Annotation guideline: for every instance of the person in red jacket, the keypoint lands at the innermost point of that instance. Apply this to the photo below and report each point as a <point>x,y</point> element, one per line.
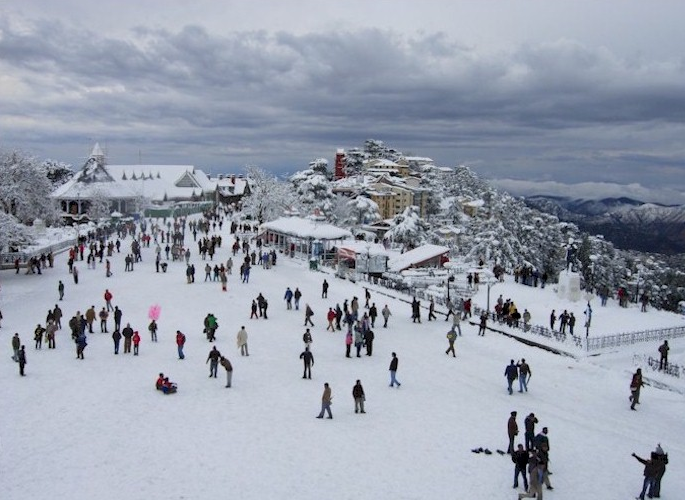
<point>160,381</point>
<point>136,342</point>
<point>108,300</point>
<point>330,316</point>
<point>180,341</point>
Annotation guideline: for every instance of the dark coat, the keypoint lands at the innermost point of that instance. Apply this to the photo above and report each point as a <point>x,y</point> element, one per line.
<point>393,364</point>
<point>308,357</point>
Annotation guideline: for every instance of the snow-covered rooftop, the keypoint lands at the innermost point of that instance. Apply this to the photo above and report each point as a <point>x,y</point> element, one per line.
<point>415,256</point>
<point>306,228</point>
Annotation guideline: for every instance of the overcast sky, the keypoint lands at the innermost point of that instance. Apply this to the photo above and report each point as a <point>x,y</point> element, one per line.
<point>569,92</point>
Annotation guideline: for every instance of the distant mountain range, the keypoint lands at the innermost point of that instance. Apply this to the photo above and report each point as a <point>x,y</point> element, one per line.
<point>627,223</point>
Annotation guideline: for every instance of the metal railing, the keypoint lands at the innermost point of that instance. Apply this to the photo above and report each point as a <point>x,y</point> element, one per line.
<point>7,259</point>
<point>628,338</point>
<point>654,363</point>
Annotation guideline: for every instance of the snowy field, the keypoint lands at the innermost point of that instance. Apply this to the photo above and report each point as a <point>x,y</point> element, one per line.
<point>97,428</point>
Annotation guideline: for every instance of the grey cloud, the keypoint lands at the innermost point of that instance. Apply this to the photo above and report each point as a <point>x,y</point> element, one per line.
<point>554,110</point>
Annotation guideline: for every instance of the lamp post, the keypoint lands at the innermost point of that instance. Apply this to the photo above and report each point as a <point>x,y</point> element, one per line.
<point>449,279</point>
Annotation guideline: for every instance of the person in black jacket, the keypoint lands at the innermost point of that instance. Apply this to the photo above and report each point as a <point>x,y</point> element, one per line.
<point>393,370</point>
<point>128,334</point>
<point>650,473</point>
<point>308,358</point>
<point>520,459</point>
<point>116,337</point>
<point>21,358</point>
<point>529,424</point>
<point>368,339</point>
<point>359,397</point>
<point>511,372</point>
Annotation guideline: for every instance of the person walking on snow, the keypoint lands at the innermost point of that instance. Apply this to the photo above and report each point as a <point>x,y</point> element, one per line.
<point>451,337</point>
<point>635,385</point>
<point>241,341</point>
<point>308,359</point>
<point>393,370</point>
<point>326,399</point>
<point>386,315</point>
<point>511,373</point>
<point>524,375</point>
<point>308,313</point>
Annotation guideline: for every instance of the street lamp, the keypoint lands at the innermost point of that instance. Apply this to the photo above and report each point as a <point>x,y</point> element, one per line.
<point>449,279</point>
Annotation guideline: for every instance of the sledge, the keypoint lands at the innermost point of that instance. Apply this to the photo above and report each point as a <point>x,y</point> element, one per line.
<point>167,390</point>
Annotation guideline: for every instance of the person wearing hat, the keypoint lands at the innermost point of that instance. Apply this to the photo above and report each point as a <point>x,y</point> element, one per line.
<point>512,430</point>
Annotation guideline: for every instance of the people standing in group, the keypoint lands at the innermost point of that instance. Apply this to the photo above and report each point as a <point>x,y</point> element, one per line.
<point>512,431</point>
<point>359,397</point>
<point>117,318</point>
<point>393,370</point>
<point>635,385</point>
<point>104,315</point>
<point>38,336</point>
<point>116,337</point>
<point>524,375</point>
<point>127,332</point>
<point>241,341</point>
<point>511,373</point>
<point>308,360</point>
<point>529,425</point>
<point>136,342</point>
<point>326,400</point>
<point>348,342</point>
<point>520,460</point>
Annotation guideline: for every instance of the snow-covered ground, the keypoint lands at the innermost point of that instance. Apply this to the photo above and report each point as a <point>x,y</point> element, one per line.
<point>97,428</point>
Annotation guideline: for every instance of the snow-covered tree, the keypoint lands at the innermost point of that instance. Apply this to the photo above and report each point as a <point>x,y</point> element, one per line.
<point>13,234</point>
<point>362,210</point>
<point>268,198</point>
<point>354,162</point>
<point>408,228</point>
<point>25,189</point>
<point>57,172</point>
<point>320,166</point>
<point>339,213</point>
<point>313,191</point>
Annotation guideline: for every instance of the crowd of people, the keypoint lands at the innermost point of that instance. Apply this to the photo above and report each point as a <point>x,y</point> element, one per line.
<point>358,321</point>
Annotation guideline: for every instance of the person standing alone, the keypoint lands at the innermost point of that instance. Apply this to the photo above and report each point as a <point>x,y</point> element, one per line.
<point>326,399</point>
<point>359,397</point>
<point>393,370</point>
